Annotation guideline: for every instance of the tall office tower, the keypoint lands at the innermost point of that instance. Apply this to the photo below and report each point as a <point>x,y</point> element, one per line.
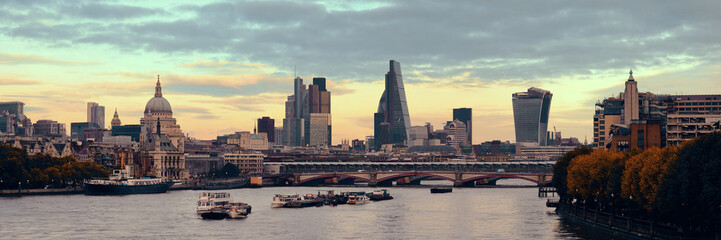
<point>96,114</point>
<point>267,125</point>
<point>318,128</point>
<point>393,110</point>
<point>116,119</point>
<point>530,114</point>
<point>294,124</point>
<point>630,100</point>
<point>465,115</point>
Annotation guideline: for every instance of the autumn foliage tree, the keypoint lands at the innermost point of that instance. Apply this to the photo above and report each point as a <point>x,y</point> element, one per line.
<point>644,174</point>
<point>596,175</point>
<point>560,169</point>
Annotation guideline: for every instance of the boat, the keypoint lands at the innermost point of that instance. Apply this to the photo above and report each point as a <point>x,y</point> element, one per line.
<point>380,195</point>
<point>441,190</point>
<point>280,200</point>
<point>237,210</point>
<point>358,199</point>
<point>120,182</point>
<point>218,205</point>
<point>308,200</point>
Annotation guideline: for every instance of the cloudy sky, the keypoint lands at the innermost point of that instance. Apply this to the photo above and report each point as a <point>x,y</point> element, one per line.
<point>224,64</point>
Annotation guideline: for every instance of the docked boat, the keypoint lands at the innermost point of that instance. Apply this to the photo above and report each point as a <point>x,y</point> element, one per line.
<point>120,182</point>
<point>441,190</point>
<point>280,200</point>
<point>380,195</point>
<point>358,199</point>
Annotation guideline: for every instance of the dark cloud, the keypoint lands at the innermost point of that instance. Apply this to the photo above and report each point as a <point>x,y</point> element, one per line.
<point>491,41</point>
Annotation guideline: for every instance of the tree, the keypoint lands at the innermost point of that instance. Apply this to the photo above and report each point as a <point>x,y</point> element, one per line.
<point>228,170</point>
<point>560,169</point>
<point>644,173</point>
<point>596,175</point>
<point>690,193</point>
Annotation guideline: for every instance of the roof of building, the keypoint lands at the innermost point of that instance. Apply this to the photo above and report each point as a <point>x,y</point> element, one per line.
<point>158,104</point>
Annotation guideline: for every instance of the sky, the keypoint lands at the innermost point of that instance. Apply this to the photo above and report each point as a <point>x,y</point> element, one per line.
<point>224,64</point>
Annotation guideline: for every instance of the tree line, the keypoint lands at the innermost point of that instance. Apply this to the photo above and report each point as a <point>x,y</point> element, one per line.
<point>680,185</point>
<point>18,169</point>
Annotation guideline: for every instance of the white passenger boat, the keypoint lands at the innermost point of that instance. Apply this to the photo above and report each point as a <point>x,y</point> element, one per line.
<point>357,199</point>
<point>210,200</point>
<point>279,200</point>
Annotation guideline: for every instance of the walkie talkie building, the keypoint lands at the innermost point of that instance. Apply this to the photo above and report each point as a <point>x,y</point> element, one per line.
<point>530,115</point>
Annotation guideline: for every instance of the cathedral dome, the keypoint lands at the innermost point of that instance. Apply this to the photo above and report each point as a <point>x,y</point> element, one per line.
<point>158,104</point>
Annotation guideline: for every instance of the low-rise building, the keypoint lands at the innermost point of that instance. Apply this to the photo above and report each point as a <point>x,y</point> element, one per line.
<point>246,162</point>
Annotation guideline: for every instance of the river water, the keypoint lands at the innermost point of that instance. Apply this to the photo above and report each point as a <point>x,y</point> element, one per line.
<point>466,213</point>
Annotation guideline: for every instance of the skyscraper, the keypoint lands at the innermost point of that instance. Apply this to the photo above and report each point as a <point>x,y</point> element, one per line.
<point>392,110</point>
<point>96,114</point>
<point>294,125</point>
<point>267,125</point>
<point>465,115</point>
<point>318,128</point>
<point>530,114</point>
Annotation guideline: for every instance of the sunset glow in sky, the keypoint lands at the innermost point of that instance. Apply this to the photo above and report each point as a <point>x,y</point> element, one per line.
<point>223,64</point>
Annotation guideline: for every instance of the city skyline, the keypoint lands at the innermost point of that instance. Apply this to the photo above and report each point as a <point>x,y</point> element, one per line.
<point>55,70</point>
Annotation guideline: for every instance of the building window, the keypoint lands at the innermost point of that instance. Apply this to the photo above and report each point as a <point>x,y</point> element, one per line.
<point>641,143</point>
<point>708,103</point>
<point>603,133</point>
<point>595,124</point>
<point>695,103</point>
<point>602,139</point>
<point>603,127</point>
<point>603,121</point>
<point>595,135</point>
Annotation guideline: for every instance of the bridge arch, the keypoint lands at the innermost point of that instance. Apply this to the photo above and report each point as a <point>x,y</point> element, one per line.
<point>412,174</point>
<point>502,176</point>
<point>332,175</point>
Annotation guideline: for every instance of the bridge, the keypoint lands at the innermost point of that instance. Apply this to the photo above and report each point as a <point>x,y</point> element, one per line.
<point>384,173</point>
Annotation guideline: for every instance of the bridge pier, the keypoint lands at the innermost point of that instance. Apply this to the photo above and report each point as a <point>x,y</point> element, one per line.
<point>373,179</point>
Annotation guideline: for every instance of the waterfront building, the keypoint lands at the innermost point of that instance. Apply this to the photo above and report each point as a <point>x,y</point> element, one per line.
<point>642,134</point>
<point>607,114</point>
<point>96,114</point>
<point>530,114</point>
<point>49,128</point>
<point>116,120</point>
<point>158,109</point>
<point>392,121</point>
<point>13,121</point>
<point>267,125</point>
<point>77,128</point>
<point>465,115</point>
<point>680,118</point>
<point>246,162</point>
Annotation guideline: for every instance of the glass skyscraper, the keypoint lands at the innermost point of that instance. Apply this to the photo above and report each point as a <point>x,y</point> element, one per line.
<point>392,110</point>
<point>465,115</point>
<point>530,115</point>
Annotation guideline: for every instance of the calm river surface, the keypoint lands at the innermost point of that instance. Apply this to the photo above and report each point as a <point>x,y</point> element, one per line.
<point>467,213</point>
